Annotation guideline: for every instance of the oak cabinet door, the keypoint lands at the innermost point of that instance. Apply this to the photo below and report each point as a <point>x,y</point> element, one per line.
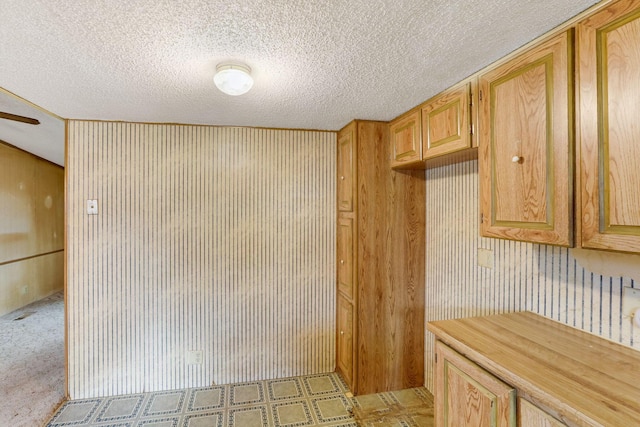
<point>530,415</point>
<point>525,151</point>
<point>609,85</point>
<point>446,122</point>
<point>406,140</point>
<point>345,340</point>
<point>467,395</point>
<point>346,168</point>
<point>345,257</point>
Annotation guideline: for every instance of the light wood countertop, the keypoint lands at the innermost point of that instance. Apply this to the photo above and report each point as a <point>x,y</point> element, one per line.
<point>581,379</point>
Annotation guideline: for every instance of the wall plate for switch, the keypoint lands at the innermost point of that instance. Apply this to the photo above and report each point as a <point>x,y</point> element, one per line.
<point>485,258</point>
<point>92,207</point>
<point>630,300</point>
<point>194,357</point>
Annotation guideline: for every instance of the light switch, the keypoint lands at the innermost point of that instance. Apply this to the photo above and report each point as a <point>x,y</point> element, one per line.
<point>92,207</point>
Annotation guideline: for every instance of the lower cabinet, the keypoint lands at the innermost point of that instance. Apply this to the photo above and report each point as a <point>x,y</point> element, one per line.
<point>530,415</point>
<point>345,339</point>
<point>467,395</point>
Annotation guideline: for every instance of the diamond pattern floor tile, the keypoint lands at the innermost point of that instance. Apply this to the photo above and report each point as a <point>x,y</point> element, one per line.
<point>311,400</point>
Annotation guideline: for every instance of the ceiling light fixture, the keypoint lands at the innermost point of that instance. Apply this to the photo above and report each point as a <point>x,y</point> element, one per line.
<point>233,79</point>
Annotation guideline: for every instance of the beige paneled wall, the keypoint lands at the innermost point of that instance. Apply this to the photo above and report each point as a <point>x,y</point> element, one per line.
<point>545,279</point>
<point>210,239</point>
<point>31,228</point>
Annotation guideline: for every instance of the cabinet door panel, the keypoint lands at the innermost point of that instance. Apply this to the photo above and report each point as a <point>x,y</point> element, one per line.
<point>406,140</point>
<point>467,395</point>
<point>345,340</point>
<point>532,416</point>
<point>446,122</point>
<point>346,169</point>
<point>526,160</point>
<point>345,257</point>
<point>609,110</point>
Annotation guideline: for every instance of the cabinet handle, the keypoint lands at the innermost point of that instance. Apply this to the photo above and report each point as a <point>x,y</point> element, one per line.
<point>342,177</point>
<point>341,332</point>
<point>516,159</point>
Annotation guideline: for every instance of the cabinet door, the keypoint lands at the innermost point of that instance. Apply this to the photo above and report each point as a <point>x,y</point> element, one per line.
<point>446,122</point>
<point>525,151</point>
<point>406,140</point>
<point>532,416</point>
<point>345,257</point>
<point>467,395</point>
<point>609,85</point>
<point>345,340</point>
<point>347,168</point>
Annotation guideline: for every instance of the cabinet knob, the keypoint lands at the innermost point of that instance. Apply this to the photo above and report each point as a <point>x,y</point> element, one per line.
<point>341,332</point>
<point>516,159</point>
<point>341,261</point>
<point>342,177</point>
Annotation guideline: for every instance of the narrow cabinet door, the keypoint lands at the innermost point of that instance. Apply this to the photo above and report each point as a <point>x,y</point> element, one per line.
<point>446,122</point>
<point>525,151</point>
<point>609,84</point>
<point>347,168</point>
<point>345,257</point>
<point>406,140</point>
<point>345,340</point>
<point>468,396</point>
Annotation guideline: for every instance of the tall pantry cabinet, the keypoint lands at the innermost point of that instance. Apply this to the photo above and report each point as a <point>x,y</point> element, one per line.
<point>380,264</point>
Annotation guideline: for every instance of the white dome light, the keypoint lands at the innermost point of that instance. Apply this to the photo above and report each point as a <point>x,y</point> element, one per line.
<point>233,79</point>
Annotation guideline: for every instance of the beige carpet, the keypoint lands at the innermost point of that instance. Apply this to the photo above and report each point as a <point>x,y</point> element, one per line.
<point>32,362</point>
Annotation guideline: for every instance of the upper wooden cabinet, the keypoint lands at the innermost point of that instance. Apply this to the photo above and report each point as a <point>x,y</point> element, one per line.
<point>446,122</point>
<point>406,140</point>
<point>346,168</point>
<point>609,84</point>
<point>525,151</point>
<point>439,127</point>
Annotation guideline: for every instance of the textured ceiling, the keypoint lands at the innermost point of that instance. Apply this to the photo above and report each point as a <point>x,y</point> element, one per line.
<point>317,64</point>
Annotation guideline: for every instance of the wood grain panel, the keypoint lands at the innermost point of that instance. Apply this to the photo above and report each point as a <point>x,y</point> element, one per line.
<point>345,348</point>
<point>406,140</point>
<point>446,122</point>
<point>347,169</point>
<point>346,261</point>
<point>212,239</point>
<point>390,260</point>
<point>31,226</point>
<point>532,416</point>
<point>609,110</point>
<point>571,383</point>
<point>525,155</point>
<point>469,395</point>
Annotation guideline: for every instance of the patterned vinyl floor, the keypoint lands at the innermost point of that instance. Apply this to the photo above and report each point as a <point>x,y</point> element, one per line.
<point>312,400</point>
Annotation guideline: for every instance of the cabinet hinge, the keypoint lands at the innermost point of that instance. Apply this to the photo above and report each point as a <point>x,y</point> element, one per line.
<point>471,130</point>
<point>480,95</point>
<point>436,357</point>
<point>471,99</point>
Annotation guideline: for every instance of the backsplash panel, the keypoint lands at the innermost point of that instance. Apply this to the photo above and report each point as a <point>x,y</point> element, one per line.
<point>210,239</point>
<point>544,279</point>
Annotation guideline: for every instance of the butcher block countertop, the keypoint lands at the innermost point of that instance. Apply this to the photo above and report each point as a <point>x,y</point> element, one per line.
<point>579,378</point>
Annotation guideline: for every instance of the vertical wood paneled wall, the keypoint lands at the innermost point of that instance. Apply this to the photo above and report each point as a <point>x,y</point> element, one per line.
<point>31,228</point>
<point>544,279</point>
<point>213,239</point>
